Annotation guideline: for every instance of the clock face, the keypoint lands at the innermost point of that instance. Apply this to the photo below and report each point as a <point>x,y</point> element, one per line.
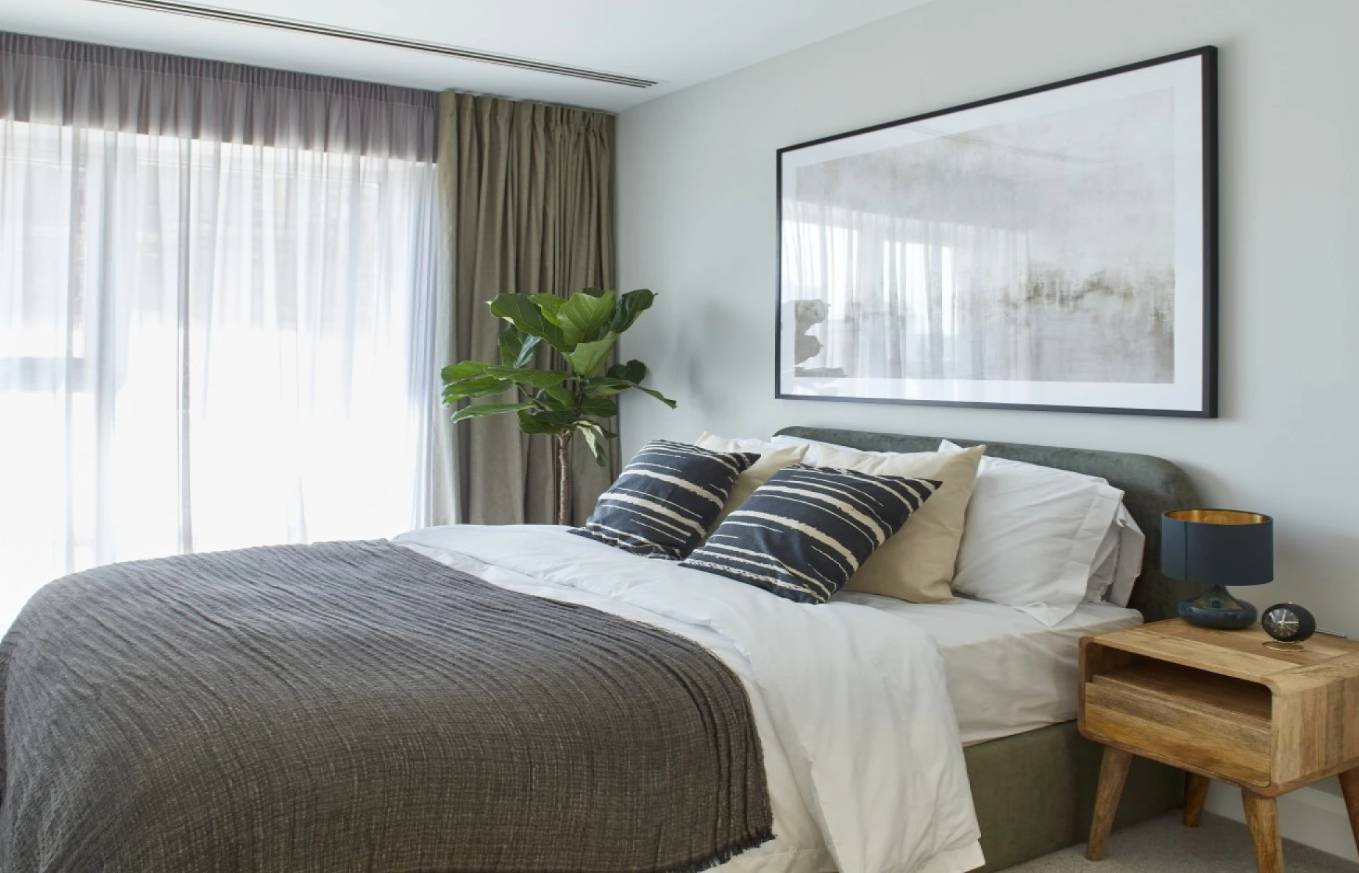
<point>1288,622</point>
<point>1282,623</point>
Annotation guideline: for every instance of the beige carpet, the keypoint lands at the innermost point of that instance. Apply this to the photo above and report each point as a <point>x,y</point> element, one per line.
<point>1163,845</point>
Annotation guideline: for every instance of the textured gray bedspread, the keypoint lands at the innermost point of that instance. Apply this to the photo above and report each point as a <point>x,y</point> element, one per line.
<point>359,707</point>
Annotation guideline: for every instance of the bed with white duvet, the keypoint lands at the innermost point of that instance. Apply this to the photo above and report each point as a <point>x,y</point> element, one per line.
<point>860,707</point>
<point>860,739</point>
<point>1007,673</point>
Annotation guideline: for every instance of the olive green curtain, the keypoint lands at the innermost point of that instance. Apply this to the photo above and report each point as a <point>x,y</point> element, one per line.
<point>526,193</point>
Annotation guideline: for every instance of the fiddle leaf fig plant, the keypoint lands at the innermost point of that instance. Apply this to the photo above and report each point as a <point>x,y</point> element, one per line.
<point>575,396</point>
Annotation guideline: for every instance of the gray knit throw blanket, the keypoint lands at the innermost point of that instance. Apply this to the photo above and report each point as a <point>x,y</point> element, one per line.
<point>359,707</point>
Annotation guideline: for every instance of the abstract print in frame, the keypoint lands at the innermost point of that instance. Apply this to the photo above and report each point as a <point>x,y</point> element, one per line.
<point>1054,248</point>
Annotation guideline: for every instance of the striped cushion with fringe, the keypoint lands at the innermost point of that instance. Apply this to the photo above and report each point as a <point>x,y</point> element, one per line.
<point>666,499</point>
<point>803,533</point>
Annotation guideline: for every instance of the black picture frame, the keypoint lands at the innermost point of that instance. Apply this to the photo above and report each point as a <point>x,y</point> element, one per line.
<point>1205,294</point>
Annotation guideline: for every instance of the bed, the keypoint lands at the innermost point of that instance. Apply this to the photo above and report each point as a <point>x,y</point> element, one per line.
<point>217,713</point>
<point>1034,791</point>
<point>1006,673</point>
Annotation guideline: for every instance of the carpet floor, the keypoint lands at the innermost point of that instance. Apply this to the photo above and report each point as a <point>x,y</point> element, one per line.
<point>1163,845</point>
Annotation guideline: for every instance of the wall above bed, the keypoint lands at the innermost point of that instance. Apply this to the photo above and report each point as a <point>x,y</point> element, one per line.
<point>697,212</point>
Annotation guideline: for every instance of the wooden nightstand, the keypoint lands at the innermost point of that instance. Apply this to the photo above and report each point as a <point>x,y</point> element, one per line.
<point>1222,705</point>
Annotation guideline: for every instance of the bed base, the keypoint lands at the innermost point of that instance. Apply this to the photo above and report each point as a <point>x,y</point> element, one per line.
<point>1034,792</point>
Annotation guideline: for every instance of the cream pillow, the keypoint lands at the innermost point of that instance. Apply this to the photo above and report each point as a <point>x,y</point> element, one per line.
<point>916,564</point>
<point>773,458</point>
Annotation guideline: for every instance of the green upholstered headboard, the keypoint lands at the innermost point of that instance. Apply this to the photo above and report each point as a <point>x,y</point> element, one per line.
<point>1151,486</point>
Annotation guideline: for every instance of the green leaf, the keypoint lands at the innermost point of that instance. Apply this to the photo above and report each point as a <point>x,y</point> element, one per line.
<point>607,386</point>
<point>603,407</point>
<point>548,304</point>
<point>557,398</point>
<point>587,359</point>
<point>658,395</point>
<point>604,386</point>
<point>536,378</point>
<point>632,371</point>
<point>595,292</point>
<point>585,317</point>
<point>470,379</point>
<point>568,418</point>
<point>526,317</point>
<point>551,383</point>
<point>517,349</point>
<point>463,370</point>
<point>630,306</point>
<point>538,422</point>
<point>594,439</point>
<point>478,386</point>
<point>482,409</point>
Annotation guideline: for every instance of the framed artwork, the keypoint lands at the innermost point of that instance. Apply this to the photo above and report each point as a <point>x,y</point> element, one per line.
<point>1054,248</point>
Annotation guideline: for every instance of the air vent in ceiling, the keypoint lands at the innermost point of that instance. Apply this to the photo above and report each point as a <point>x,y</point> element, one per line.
<point>379,39</point>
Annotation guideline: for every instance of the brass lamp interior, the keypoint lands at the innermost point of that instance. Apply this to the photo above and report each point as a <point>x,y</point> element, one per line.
<point>1217,516</point>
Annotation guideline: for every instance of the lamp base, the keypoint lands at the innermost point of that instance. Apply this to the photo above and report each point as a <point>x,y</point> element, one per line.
<point>1217,608</point>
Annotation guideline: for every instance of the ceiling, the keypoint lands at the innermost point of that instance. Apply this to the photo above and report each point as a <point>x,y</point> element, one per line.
<point>675,42</point>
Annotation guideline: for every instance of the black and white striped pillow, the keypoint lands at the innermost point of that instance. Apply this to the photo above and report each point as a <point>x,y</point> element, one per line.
<point>666,499</point>
<point>803,533</point>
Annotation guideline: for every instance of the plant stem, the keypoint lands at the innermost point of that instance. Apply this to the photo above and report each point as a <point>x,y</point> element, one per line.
<point>564,478</point>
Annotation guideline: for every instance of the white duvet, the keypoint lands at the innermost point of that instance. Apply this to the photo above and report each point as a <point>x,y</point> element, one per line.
<point>860,741</point>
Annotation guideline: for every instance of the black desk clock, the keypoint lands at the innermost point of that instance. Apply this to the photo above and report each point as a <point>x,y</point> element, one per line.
<point>1288,623</point>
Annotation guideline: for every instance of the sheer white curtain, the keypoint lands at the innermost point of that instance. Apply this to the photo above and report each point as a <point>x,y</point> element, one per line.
<point>216,308</point>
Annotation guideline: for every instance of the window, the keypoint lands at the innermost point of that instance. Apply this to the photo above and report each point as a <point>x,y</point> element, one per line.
<point>206,345</point>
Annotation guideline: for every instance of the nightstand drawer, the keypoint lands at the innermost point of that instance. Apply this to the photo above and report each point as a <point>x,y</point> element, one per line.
<point>1147,708</point>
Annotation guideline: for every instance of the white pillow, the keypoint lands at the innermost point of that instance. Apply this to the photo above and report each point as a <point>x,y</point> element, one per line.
<point>1033,536</point>
<point>1132,544</point>
<point>1118,560</point>
<point>1106,565</point>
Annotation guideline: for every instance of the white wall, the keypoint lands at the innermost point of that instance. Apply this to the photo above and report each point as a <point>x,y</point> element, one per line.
<point>696,223</point>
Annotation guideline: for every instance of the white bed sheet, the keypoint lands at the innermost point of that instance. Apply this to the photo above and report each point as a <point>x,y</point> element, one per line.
<point>862,754</point>
<point>1007,672</point>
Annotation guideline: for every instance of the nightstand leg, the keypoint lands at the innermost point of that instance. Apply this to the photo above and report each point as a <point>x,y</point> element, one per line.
<point>1195,793</point>
<point>1262,815</point>
<point>1113,771</point>
<point>1349,785</point>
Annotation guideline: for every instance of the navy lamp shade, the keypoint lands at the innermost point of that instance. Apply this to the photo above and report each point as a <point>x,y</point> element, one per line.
<point>1216,548</point>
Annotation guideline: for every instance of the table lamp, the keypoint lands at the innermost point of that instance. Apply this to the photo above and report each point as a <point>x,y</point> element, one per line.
<point>1216,548</point>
